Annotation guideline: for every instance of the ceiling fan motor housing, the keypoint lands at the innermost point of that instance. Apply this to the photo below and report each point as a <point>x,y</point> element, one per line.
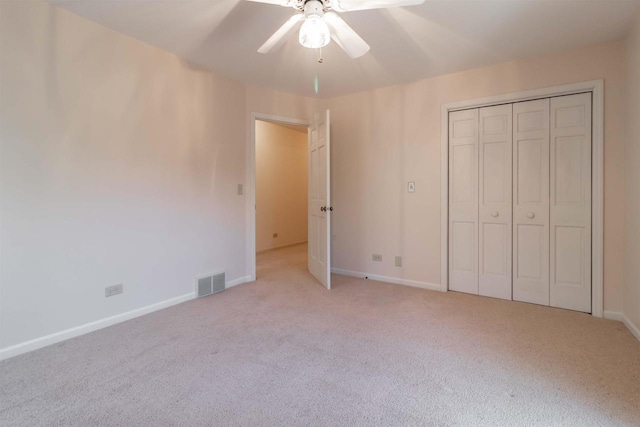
<point>313,7</point>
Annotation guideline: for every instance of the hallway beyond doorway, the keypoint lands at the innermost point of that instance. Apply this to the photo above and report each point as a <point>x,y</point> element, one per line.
<point>289,261</point>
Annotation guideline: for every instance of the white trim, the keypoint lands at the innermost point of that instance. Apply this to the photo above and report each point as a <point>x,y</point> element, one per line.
<point>596,87</point>
<point>620,317</point>
<point>37,343</point>
<point>394,280</point>
<point>613,315</point>
<point>251,177</point>
<point>635,330</point>
<point>444,199</point>
<point>597,204</point>
<point>238,281</point>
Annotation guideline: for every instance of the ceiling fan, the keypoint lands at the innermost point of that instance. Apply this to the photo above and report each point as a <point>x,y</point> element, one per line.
<point>320,23</point>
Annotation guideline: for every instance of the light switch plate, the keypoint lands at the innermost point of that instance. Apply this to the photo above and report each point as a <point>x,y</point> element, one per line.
<point>411,187</point>
<point>240,190</point>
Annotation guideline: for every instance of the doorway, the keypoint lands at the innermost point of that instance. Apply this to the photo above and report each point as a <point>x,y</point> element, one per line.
<point>279,188</point>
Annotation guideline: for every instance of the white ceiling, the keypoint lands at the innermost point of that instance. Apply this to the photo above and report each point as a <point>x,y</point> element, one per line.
<point>407,44</point>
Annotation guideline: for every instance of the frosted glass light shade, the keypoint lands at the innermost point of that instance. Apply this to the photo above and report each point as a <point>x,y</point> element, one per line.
<point>314,32</point>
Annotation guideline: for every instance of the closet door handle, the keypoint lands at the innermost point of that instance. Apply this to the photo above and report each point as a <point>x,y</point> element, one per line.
<point>531,215</point>
<point>494,214</point>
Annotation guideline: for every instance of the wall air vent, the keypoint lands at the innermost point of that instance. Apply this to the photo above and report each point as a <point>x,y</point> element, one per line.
<point>211,284</point>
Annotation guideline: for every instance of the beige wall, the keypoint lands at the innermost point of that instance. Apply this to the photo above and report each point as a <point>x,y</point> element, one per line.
<point>383,138</point>
<point>631,307</point>
<point>267,101</point>
<point>120,164</point>
<point>281,186</point>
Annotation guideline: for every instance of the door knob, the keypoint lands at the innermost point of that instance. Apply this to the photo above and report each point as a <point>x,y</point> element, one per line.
<point>531,215</point>
<point>323,208</point>
<point>494,214</point>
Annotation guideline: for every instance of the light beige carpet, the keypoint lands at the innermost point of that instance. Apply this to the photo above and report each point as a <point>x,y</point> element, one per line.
<point>284,351</point>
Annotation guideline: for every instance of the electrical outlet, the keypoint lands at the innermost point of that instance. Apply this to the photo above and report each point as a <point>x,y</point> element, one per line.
<point>398,261</point>
<point>411,187</point>
<point>110,291</point>
<point>376,257</point>
<point>275,235</point>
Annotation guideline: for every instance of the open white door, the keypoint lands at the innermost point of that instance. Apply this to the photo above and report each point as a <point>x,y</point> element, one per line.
<point>319,199</point>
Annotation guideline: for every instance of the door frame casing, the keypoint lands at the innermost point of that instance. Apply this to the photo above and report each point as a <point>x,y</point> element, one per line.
<point>251,168</point>
<point>596,88</point>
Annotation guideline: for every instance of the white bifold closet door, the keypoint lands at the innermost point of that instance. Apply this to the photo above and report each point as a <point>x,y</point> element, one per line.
<point>570,200</point>
<point>531,201</point>
<point>463,201</point>
<point>480,201</point>
<point>520,201</point>
<point>494,211</point>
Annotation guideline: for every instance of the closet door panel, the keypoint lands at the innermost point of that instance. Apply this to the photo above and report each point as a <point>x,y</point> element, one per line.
<point>570,210</point>
<point>495,188</point>
<point>531,201</point>
<point>463,201</point>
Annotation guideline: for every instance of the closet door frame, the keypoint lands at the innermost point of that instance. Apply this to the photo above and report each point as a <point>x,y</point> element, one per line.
<point>596,88</point>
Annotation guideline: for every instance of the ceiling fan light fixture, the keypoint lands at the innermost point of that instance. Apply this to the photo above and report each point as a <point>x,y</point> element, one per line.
<point>314,32</point>
<point>322,23</point>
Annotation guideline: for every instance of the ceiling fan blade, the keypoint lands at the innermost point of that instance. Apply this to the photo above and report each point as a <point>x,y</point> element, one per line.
<point>292,3</point>
<point>280,36</point>
<point>349,5</point>
<point>345,36</point>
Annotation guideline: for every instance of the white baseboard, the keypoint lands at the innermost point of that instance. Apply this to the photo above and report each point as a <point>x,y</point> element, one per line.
<point>56,337</point>
<point>633,328</point>
<point>394,280</point>
<point>37,343</point>
<point>612,315</point>
<point>238,281</point>
<point>620,317</point>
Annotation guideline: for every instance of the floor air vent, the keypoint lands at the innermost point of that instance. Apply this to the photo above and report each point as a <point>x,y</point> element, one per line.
<point>208,285</point>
